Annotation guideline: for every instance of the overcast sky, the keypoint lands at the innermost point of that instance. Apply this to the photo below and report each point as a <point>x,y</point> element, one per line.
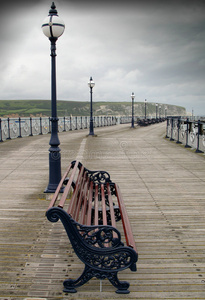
<point>155,49</point>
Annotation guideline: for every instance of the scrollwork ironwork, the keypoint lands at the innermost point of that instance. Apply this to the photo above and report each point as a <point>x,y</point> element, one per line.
<point>99,177</point>
<point>101,236</point>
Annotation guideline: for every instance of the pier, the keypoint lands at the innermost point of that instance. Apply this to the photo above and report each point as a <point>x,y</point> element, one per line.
<point>164,193</point>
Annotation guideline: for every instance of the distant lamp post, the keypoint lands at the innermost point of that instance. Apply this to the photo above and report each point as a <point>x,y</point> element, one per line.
<point>165,112</point>
<point>145,107</point>
<point>53,27</point>
<point>160,113</point>
<point>156,110</point>
<point>132,97</point>
<point>91,85</point>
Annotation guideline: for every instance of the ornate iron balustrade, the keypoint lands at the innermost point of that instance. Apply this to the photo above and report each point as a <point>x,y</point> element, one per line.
<point>187,131</point>
<point>11,128</point>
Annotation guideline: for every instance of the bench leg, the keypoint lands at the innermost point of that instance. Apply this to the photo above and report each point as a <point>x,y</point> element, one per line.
<point>88,273</point>
<point>71,284</point>
<point>122,286</point>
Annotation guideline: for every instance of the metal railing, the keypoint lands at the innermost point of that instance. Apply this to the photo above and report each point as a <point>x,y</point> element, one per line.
<point>189,132</point>
<point>11,128</point>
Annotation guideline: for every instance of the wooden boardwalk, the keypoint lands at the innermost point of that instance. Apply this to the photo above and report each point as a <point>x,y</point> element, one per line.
<point>163,185</point>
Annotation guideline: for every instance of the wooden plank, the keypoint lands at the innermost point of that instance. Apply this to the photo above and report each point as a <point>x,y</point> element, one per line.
<point>55,196</point>
<point>84,207</point>
<point>111,208</point>
<point>104,214</point>
<point>90,201</point>
<point>68,186</point>
<point>72,204</point>
<point>79,199</point>
<point>96,206</point>
<point>125,220</point>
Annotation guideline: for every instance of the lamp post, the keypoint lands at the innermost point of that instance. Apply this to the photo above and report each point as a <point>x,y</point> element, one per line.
<point>165,112</point>
<point>160,113</point>
<point>156,111</point>
<point>145,107</point>
<point>91,85</point>
<point>53,27</point>
<point>132,97</point>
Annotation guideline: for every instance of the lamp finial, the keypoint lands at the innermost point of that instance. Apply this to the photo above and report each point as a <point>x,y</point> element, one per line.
<point>53,10</point>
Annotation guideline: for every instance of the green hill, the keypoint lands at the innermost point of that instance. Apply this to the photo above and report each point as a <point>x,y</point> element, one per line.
<point>34,108</point>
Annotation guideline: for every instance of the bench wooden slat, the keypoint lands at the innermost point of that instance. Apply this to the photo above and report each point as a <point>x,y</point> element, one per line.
<point>104,214</point>
<point>72,204</point>
<point>68,186</point>
<point>79,199</point>
<point>96,205</point>
<point>84,203</point>
<point>125,221</point>
<point>90,201</point>
<point>55,196</point>
<point>111,207</point>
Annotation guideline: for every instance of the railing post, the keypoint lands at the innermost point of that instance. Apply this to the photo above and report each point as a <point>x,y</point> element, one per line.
<point>19,128</point>
<point>49,124</point>
<point>70,123</point>
<point>178,126</point>
<point>9,136</point>
<point>187,134</point>
<point>64,124</point>
<point>40,126</point>
<point>198,134</point>
<point>167,128</point>
<point>172,124</point>
<point>81,122</point>
<point>1,140</point>
<point>31,133</point>
<point>76,123</point>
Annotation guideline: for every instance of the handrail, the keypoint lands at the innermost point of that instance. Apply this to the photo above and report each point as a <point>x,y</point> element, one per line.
<point>188,131</point>
<point>11,128</point>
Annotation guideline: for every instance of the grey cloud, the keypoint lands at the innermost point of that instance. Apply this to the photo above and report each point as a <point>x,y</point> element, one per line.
<point>155,48</point>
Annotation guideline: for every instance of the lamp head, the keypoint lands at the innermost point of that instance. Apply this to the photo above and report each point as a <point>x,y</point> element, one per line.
<point>91,83</point>
<point>53,26</point>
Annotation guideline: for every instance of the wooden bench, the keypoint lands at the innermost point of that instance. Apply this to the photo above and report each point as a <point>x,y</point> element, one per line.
<point>90,218</point>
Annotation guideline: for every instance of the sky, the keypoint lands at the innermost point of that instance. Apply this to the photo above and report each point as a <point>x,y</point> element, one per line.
<point>155,49</point>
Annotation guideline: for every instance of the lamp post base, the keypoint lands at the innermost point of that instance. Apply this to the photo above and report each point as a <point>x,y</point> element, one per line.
<point>54,170</point>
<point>51,188</point>
<point>198,151</point>
<point>92,135</point>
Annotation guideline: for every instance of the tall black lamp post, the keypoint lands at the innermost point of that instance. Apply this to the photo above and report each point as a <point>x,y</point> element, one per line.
<point>53,27</point>
<point>91,85</point>
<point>132,97</point>
<point>145,108</point>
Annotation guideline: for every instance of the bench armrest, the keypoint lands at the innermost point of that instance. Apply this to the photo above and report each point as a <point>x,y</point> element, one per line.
<point>100,235</point>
